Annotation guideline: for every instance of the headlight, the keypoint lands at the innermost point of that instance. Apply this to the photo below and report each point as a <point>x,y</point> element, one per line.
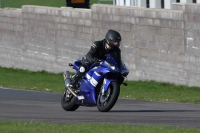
<point>112,66</point>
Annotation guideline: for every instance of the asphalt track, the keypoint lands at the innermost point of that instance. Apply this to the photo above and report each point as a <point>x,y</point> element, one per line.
<point>45,107</point>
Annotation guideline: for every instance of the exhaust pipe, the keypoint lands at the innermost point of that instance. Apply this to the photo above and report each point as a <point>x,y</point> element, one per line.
<point>68,81</point>
<point>66,76</point>
<point>73,93</point>
<point>67,84</point>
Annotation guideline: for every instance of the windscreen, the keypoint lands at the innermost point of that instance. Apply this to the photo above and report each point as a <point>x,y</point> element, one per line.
<point>117,56</point>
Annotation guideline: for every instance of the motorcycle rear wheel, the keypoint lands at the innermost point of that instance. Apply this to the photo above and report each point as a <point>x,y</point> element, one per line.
<point>107,101</point>
<point>68,103</point>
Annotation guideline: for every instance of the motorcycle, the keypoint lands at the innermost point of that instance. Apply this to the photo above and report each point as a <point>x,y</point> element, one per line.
<point>100,86</point>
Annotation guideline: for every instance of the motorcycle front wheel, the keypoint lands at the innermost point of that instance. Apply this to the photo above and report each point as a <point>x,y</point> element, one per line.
<point>68,101</point>
<point>107,101</point>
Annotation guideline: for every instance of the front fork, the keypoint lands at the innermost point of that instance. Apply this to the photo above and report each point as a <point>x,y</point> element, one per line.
<point>105,86</point>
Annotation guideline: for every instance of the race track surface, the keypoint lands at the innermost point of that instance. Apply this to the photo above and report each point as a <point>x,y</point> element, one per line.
<point>45,107</point>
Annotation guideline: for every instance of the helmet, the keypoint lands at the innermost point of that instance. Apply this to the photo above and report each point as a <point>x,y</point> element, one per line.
<point>113,36</point>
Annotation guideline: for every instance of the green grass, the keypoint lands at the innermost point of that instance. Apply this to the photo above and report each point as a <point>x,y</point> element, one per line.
<point>19,3</point>
<point>143,90</point>
<point>23,79</point>
<point>51,3</point>
<point>37,127</point>
<point>156,91</point>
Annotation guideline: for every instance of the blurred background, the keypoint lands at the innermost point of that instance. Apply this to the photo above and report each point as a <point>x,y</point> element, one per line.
<point>51,3</point>
<point>166,4</point>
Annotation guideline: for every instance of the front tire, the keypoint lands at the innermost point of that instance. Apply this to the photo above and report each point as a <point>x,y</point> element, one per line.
<point>107,101</point>
<point>68,101</point>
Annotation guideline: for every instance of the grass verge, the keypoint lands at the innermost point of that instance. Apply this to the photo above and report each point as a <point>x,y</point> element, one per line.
<point>19,3</point>
<point>23,79</point>
<point>157,91</point>
<point>38,127</point>
<point>143,90</point>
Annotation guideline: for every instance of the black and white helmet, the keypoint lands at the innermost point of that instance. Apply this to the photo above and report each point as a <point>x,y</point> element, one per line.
<point>113,36</point>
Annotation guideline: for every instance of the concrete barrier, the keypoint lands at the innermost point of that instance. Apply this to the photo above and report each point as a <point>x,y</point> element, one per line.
<point>157,44</point>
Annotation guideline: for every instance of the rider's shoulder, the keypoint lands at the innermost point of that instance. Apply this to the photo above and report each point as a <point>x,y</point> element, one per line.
<point>98,43</point>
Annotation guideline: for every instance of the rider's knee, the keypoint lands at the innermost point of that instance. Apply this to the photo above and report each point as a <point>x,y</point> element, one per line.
<point>82,69</point>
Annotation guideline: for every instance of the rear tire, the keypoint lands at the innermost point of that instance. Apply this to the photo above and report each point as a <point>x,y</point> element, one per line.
<point>68,103</point>
<point>107,101</point>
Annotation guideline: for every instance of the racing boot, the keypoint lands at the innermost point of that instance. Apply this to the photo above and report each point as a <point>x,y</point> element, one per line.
<point>77,77</point>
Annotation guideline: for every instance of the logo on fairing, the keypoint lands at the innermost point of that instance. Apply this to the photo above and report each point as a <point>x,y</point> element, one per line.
<point>97,74</point>
<point>88,76</point>
<point>93,82</point>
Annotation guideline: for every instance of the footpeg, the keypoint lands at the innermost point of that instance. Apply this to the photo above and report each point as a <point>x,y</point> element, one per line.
<point>68,85</point>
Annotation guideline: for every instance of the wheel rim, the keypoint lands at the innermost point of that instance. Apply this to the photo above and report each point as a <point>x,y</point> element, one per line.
<point>105,98</point>
<point>67,96</point>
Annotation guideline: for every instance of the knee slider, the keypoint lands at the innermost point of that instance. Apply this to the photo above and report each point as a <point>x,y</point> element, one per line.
<point>82,69</point>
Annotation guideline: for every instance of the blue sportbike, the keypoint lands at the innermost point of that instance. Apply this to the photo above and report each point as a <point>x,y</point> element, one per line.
<point>100,86</point>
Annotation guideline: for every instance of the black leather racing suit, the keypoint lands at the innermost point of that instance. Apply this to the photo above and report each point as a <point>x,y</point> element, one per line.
<point>96,52</point>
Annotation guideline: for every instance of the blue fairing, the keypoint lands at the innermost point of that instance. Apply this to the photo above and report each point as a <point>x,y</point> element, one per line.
<point>98,74</point>
<point>88,92</point>
<point>77,64</point>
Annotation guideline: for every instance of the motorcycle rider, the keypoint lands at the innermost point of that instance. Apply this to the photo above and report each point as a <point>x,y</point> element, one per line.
<point>97,51</point>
